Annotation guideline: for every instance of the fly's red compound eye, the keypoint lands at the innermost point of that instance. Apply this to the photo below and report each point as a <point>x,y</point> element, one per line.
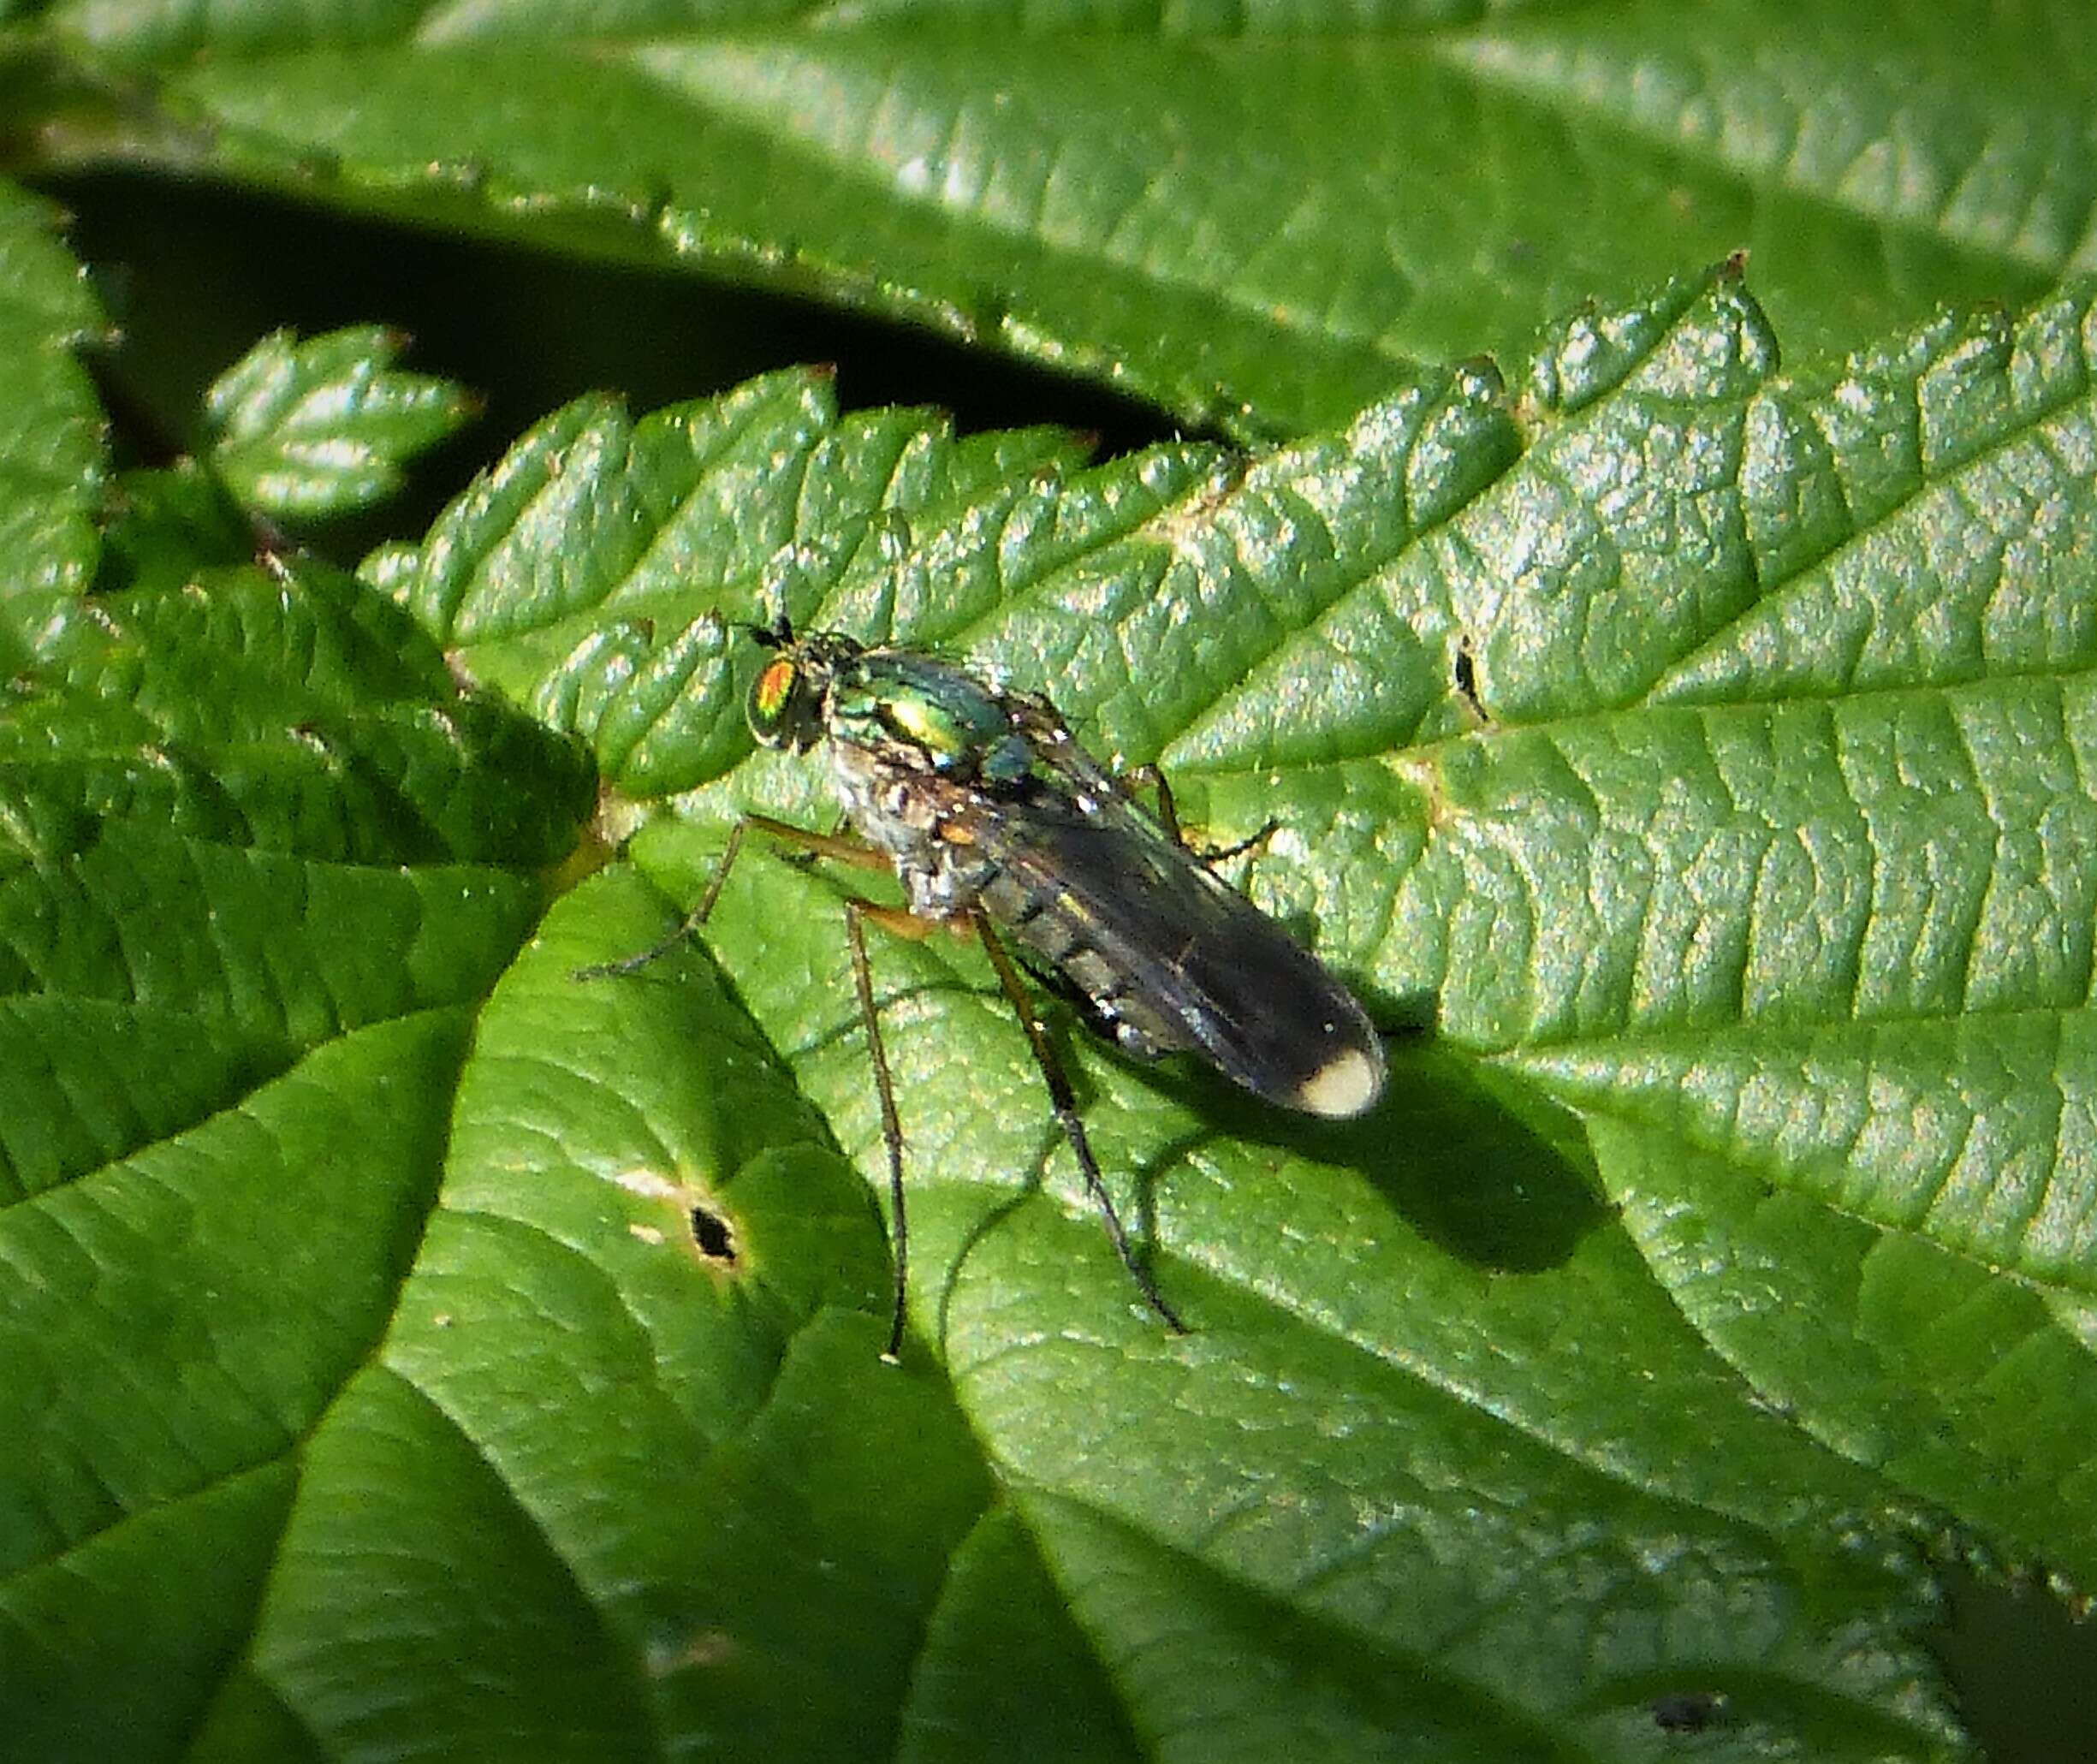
<point>772,696</point>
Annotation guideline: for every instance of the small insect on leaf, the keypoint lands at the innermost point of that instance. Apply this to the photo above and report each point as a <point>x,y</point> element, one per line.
<point>993,817</point>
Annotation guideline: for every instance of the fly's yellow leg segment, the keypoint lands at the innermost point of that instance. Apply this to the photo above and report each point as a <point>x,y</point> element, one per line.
<point>901,921</point>
<point>839,847</point>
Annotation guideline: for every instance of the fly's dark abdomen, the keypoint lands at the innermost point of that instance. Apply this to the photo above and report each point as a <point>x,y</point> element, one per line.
<point>1174,959</point>
<point>1052,931</point>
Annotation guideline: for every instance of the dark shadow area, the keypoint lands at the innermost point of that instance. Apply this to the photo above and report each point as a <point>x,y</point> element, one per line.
<point>192,274</point>
<point>1494,1177</point>
<point>2023,1667</point>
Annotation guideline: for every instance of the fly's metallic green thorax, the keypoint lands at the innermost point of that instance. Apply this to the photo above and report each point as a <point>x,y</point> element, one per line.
<point>984,801</point>
<point>912,711</point>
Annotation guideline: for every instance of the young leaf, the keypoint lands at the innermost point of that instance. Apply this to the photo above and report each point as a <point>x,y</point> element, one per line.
<point>326,426</point>
<point>51,454</point>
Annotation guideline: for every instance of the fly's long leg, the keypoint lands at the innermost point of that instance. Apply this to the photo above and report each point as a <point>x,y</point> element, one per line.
<point>686,926</point>
<point>845,850</point>
<point>820,844</point>
<point>1064,1104</point>
<point>891,1123</point>
<point>1168,818</point>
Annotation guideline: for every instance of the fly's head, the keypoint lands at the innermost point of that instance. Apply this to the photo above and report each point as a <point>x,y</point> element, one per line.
<point>788,700</point>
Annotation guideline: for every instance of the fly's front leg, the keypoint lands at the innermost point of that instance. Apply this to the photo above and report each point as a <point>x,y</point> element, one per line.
<point>843,849</point>
<point>691,923</point>
<point>1064,1103</point>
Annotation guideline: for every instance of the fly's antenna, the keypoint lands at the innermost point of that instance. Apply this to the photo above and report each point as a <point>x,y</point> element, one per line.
<point>777,635</point>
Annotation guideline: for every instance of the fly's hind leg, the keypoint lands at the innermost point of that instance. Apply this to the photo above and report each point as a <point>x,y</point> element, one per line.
<point>1168,818</point>
<point>1064,1103</point>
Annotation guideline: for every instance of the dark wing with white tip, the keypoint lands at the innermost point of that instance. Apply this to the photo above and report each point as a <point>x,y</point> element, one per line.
<point>1145,930</point>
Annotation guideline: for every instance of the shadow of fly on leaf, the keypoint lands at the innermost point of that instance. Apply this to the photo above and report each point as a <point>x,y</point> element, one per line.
<point>1001,827</point>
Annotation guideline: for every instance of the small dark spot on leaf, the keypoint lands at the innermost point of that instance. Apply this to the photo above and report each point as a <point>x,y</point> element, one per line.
<point>1686,1711</point>
<point>710,1231</point>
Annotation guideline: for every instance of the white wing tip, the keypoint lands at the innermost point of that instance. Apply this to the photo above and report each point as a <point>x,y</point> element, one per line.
<point>1346,1085</point>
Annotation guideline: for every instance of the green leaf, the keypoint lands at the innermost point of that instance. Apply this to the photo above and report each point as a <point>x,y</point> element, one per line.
<point>252,880</point>
<point>425,1351</point>
<point>52,456</point>
<point>326,426</point>
<point>1760,910</point>
<point>1258,216</point>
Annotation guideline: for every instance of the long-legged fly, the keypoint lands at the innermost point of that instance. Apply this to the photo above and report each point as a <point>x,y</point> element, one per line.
<point>996,821</point>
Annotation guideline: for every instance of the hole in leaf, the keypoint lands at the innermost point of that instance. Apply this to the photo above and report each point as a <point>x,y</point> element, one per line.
<point>713,1234</point>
